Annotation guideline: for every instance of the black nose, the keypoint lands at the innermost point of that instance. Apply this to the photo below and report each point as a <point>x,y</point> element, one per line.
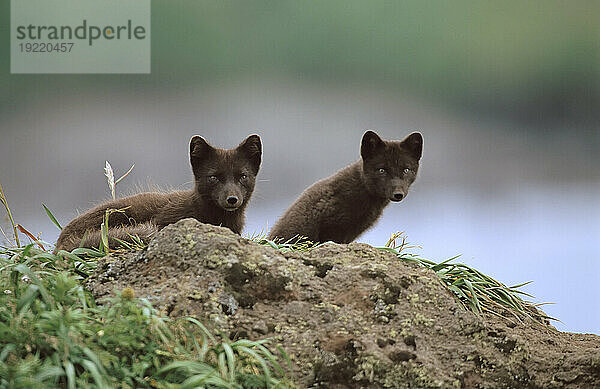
<point>398,196</point>
<point>232,200</point>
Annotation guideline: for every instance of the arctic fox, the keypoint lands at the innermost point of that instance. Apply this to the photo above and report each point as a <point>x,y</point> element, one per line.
<point>224,182</point>
<point>341,207</point>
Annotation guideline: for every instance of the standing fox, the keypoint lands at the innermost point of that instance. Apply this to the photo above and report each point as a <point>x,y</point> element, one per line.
<point>341,207</point>
<point>224,182</point>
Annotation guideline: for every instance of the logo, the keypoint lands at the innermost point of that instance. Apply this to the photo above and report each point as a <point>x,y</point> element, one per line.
<point>80,36</point>
<point>82,32</point>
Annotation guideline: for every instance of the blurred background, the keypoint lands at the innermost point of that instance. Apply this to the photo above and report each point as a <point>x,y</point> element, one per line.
<point>506,94</point>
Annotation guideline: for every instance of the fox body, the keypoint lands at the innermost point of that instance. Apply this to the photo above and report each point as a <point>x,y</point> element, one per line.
<point>224,182</point>
<point>341,207</point>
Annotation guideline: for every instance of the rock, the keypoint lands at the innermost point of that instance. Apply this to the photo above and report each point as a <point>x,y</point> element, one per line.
<point>349,316</point>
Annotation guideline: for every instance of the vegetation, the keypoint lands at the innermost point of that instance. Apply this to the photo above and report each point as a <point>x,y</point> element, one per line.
<point>476,291</point>
<point>53,334</point>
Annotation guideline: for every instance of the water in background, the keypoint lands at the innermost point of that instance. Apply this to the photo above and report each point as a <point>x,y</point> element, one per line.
<point>518,203</point>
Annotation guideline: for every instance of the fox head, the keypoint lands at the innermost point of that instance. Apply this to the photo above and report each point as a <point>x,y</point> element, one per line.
<point>389,166</point>
<point>226,176</point>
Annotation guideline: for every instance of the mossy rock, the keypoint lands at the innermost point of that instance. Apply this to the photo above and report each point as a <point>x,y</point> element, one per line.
<point>349,316</point>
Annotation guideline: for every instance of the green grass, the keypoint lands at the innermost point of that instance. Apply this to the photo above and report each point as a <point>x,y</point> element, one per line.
<point>293,244</point>
<point>53,334</point>
<point>474,290</point>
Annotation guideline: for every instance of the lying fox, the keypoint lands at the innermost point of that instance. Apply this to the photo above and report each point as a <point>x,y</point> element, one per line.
<point>224,182</point>
<point>341,207</point>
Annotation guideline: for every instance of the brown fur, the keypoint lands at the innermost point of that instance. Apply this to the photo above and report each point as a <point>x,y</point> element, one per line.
<point>224,182</point>
<point>341,207</point>
<point>93,238</point>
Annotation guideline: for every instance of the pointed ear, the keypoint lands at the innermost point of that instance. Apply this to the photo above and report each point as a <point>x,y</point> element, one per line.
<point>251,147</point>
<point>371,144</point>
<point>414,144</point>
<point>199,149</point>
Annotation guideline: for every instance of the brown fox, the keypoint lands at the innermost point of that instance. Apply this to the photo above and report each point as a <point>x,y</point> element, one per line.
<point>341,207</point>
<point>224,182</point>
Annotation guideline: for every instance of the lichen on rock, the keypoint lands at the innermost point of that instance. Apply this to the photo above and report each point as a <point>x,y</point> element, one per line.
<point>348,316</point>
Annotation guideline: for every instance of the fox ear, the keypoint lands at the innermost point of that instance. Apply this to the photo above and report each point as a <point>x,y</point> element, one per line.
<point>199,149</point>
<point>414,144</point>
<point>252,148</point>
<point>370,145</point>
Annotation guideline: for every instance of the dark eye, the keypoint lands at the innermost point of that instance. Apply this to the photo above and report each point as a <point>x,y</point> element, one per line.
<point>243,177</point>
<point>213,178</point>
<point>407,170</point>
<point>381,171</point>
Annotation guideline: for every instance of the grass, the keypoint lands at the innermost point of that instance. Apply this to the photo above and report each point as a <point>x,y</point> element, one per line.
<point>475,291</point>
<point>293,244</point>
<point>53,334</point>
<point>10,217</point>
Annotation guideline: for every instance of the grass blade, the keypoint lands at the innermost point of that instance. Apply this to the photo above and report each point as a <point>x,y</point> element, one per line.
<point>263,364</point>
<point>30,235</point>
<point>110,178</point>
<point>230,361</point>
<point>52,218</point>
<point>70,373</point>
<point>93,369</point>
<point>125,175</point>
<point>10,217</point>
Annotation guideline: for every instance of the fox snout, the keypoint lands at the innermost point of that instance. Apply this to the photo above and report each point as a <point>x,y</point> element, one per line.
<point>397,196</point>
<point>398,189</point>
<point>229,197</point>
<point>230,201</point>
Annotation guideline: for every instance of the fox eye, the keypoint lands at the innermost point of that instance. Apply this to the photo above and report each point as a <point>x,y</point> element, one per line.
<point>381,170</point>
<point>213,178</point>
<point>407,170</point>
